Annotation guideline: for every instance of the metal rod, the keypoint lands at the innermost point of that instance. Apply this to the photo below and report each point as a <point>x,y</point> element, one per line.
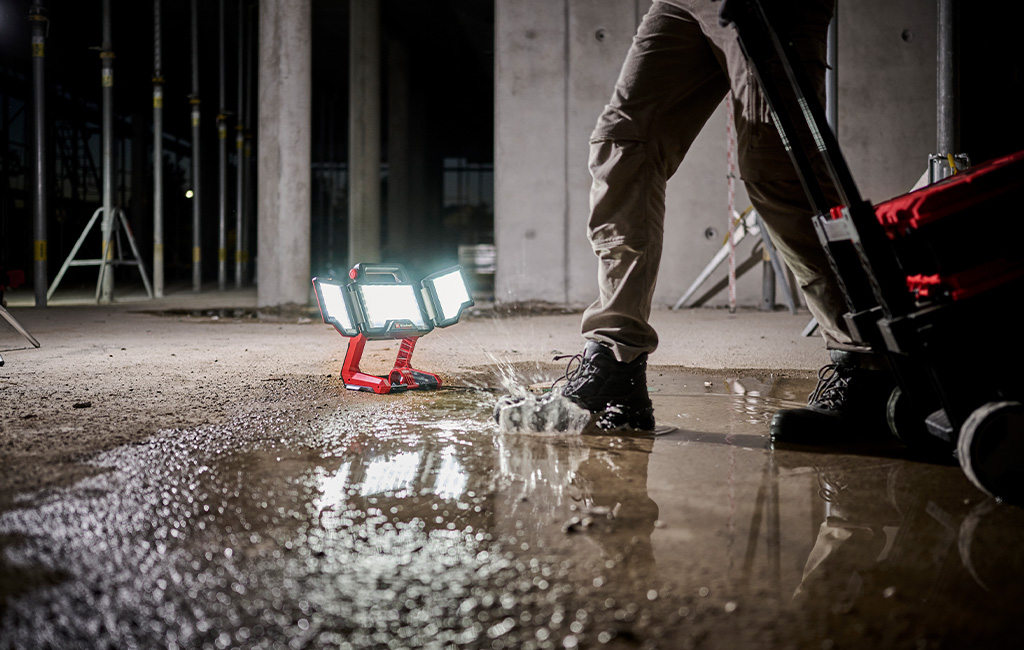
<point>222,166</point>
<point>37,16</point>
<point>107,225</point>
<point>250,123</point>
<point>158,157</point>
<point>947,79</point>
<point>832,73</point>
<point>197,240</point>
<point>69,262</point>
<point>239,145</point>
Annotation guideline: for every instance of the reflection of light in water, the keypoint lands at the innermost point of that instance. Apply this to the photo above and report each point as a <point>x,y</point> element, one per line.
<point>533,468</point>
<point>332,487</point>
<point>451,478</point>
<point>748,403</point>
<point>391,474</point>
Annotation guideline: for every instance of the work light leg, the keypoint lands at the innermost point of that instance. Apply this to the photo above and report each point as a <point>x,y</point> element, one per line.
<point>355,379</point>
<point>405,375</point>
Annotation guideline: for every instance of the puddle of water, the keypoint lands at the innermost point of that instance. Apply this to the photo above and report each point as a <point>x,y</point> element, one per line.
<point>411,521</point>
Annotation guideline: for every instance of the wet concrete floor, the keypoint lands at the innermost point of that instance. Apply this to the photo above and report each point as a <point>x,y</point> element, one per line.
<point>411,521</point>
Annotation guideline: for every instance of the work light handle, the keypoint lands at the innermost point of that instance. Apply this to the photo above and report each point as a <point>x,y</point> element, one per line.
<point>378,273</point>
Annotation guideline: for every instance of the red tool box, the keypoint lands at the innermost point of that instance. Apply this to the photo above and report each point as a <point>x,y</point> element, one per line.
<point>931,278</point>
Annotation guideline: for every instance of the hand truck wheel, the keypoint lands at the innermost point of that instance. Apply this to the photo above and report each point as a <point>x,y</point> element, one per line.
<point>906,422</point>
<point>991,450</point>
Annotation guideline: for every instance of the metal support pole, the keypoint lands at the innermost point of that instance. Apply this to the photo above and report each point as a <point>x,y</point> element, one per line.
<point>250,70</point>
<point>37,16</point>
<point>767,286</point>
<point>222,166</point>
<point>107,225</point>
<point>158,158</point>
<point>832,73</point>
<point>197,240</point>
<point>239,146</point>
<point>947,79</point>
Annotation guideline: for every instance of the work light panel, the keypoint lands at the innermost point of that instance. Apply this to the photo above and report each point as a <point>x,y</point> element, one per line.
<point>452,294</point>
<point>387,302</point>
<point>334,305</point>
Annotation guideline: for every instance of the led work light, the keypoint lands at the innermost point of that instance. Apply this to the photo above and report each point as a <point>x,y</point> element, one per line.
<point>378,302</point>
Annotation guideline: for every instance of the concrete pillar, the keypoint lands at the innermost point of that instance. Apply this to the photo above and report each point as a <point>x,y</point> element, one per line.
<point>284,146</point>
<point>530,162</point>
<point>401,232</point>
<point>555,66</point>
<point>364,200</point>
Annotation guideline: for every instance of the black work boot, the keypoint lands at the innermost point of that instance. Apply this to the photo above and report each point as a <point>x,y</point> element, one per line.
<point>614,391</point>
<point>848,405</point>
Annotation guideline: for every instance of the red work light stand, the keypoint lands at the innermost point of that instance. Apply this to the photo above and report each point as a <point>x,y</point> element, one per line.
<point>402,377</point>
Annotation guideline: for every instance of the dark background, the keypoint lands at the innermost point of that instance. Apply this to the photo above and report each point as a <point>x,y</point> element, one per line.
<point>449,45</point>
<point>450,50</point>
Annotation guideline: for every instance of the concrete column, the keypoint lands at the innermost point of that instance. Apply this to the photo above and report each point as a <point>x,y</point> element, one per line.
<point>364,201</point>
<point>530,188</point>
<point>401,233</point>
<point>283,149</point>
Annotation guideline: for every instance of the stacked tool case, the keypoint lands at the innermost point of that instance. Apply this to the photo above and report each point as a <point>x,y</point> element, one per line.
<point>932,278</point>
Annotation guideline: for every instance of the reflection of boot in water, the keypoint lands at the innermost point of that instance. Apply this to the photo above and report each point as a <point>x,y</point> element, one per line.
<point>861,520</point>
<point>614,508</point>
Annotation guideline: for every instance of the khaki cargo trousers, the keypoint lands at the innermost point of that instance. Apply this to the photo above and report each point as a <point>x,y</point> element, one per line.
<point>680,67</point>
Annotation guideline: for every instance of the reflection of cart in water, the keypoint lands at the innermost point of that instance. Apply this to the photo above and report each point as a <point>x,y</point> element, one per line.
<point>928,277</point>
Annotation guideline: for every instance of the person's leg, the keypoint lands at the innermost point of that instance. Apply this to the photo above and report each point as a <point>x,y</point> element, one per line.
<point>670,83</point>
<point>850,400</point>
<point>787,216</point>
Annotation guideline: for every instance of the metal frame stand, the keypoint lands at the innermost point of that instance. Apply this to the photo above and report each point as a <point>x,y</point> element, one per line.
<point>16,325</point>
<point>750,222</point>
<point>103,262</point>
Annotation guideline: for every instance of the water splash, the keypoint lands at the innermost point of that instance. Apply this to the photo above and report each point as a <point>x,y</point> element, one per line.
<point>548,413</point>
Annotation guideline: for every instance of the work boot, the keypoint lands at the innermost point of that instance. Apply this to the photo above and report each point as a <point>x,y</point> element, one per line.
<point>848,405</point>
<point>615,392</point>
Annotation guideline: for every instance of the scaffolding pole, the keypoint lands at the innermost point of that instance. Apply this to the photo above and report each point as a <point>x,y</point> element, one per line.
<point>948,78</point>
<point>197,240</point>
<point>222,165</point>
<point>158,157</point>
<point>239,145</point>
<point>107,225</point>
<point>250,71</point>
<point>37,16</point>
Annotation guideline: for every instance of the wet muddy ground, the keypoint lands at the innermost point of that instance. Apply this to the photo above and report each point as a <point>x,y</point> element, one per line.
<point>223,490</point>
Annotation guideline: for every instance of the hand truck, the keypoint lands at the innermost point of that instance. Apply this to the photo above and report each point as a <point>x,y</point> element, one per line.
<point>930,278</point>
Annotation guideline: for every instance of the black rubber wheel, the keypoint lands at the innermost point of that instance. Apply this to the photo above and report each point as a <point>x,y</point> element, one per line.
<point>991,450</point>
<point>907,423</point>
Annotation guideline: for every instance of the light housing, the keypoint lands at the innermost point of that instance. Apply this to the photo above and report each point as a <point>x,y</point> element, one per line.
<point>390,307</point>
<point>446,295</point>
<point>335,305</point>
